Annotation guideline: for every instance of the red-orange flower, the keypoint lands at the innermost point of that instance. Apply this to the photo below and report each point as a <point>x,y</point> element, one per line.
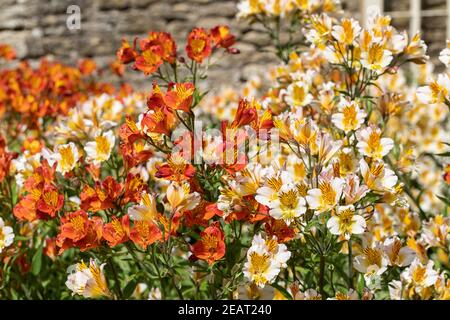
<point>7,52</point>
<point>78,230</point>
<point>279,228</point>
<point>149,60</point>
<point>43,199</point>
<point>211,246</point>
<point>126,54</point>
<point>145,233</point>
<point>176,169</point>
<point>50,248</point>
<point>102,196</point>
<point>134,187</point>
<point>50,201</point>
<point>198,45</point>
<point>87,66</point>
<point>117,68</point>
<point>5,159</point>
<point>222,37</point>
<point>180,96</point>
<point>166,43</point>
<point>200,215</point>
<point>117,231</point>
<point>25,209</point>
<point>446,174</point>
<point>245,114</point>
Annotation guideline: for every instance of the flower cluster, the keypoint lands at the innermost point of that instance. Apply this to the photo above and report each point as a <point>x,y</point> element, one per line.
<point>328,178</point>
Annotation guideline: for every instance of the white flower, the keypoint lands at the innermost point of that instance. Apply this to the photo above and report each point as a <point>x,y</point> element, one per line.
<point>327,196</point>
<point>353,191</point>
<point>88,281</point>
<point>347,31</point>
<point>377,58</point>
<point>419,275</point>
<point>436,92</point>
<point>377,177</point>
<point>268,193</point>
<point>146,210</point>
<point>66,157</point>
<point>288,205</point>
<point>6,235</point>
<point>154,294</point>
<point>398,255</point>
<point>395,290</point>
<point>444,56</point>
<point>264,260</point>
<point>297,94</point>
<point>99,150</point>
<point>350,117</point>
<point>372,262</point>
<point>346,222</point>
<point>248,7</point>
<point>371,144</point>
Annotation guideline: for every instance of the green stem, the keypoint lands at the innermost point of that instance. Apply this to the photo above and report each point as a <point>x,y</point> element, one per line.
<point>322,275</point>
<point>350,264</point>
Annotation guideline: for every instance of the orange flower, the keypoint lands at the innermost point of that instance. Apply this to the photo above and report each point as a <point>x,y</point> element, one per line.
<point>176,169</point>
<point>126,54</point>
<point>180,96</point>
<point>279,229</point>
<point>149,60</point>
<point>145,233</point>
<point>50,248</point>
<point>117,231</point>
<point>222,37</point>
<point>117,68</point>
<point>245,114</point>
<point>75,225</point>
<point>78,230</point>
<point>5,159</point>
<point>134,187</point>
<point>446,174</point>
<point>200,215</point>
<point>50,201</point>
<point>102,196</point>
<point>159,120</point>
<point>7,52</point>
<point>43,199</point>
<point>25,209</point>
<point>211,246</point>
<point>163,40</point>
<point>32,145</point>
<point>87,66</point>
<point>198,45</point>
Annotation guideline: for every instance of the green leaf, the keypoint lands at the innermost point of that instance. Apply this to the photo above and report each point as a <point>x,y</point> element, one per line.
<point>129,288</point>
<point>445,200</point>
<point>444,154</point>
<point>361,284</point>
<point>282,290</point>
<point>36,262</point>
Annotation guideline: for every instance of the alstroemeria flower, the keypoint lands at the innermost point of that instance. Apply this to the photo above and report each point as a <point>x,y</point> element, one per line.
<point>211,246</point>
<point>100,149</point>
<point>346,222</point>
<point>198,45</point>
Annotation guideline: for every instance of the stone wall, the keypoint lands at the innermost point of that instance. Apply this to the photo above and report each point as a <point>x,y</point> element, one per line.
<point>37,28</point>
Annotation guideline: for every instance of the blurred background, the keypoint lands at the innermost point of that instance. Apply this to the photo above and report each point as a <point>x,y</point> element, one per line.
<point>38,28</point>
